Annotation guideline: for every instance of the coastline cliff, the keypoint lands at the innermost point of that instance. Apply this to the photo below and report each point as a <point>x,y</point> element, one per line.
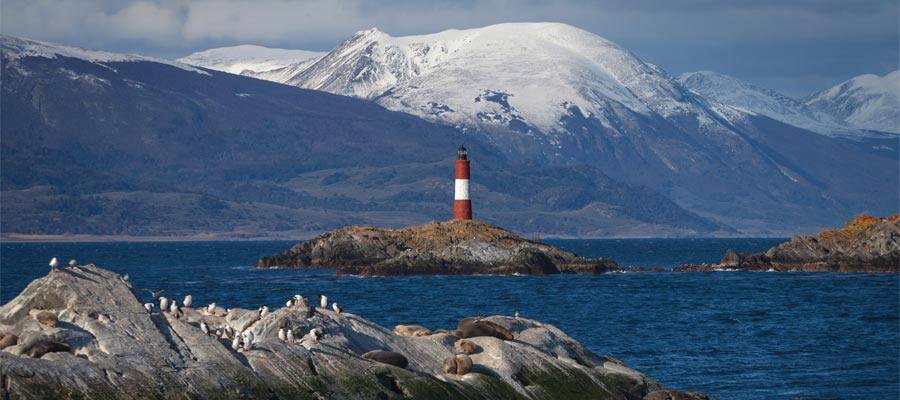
<point>80,332</point>
<point>459,247</point>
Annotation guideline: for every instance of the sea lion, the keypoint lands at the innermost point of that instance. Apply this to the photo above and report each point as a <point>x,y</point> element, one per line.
<point>387,357</point>
<point>466,346</point>
<point>411,330</point>
<point>46,318</point>
<point>458,364</point>
<point>467,321</point>
<point>37,348</point>
<point>469,328</point>
<point>8,339</point>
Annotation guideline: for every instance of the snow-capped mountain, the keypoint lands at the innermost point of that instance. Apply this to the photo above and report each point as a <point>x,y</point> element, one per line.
<point>754,99</point>
<point>252,60</point>
<point>105,143</point>
<point>15,48</point>
<point>866,102</point>
<point>553,94</point>
<point>527,77</point>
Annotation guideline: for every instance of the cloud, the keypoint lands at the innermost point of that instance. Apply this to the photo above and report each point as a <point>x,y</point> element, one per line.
<point>141,20</point>
<point>182,22</point>
<point>670,33</point>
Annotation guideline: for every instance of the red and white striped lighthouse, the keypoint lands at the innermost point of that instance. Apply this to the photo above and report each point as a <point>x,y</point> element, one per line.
<point>462,206</point>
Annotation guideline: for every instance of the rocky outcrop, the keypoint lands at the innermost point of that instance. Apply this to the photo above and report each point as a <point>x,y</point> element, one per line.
<point>865,244</point>
<point>106,345</point>
<point>438,248</point>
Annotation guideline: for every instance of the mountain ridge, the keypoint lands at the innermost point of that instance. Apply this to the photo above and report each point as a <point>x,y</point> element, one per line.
<point>140,148</point>
<point>866,101</point>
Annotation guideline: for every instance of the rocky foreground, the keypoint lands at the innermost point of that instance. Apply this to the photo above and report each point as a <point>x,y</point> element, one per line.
<point>438,248</point>
<point>80,332</point>
<point>865,244</point>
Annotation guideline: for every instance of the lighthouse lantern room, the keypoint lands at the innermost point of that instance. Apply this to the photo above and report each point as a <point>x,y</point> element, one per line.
<point>462,206</point>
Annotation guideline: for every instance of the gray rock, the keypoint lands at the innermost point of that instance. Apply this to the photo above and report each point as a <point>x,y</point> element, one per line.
<point>132,354</point>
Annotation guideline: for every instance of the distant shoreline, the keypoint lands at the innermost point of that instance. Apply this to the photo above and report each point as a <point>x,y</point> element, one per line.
<point>22,238</point>
<point>125,238</point>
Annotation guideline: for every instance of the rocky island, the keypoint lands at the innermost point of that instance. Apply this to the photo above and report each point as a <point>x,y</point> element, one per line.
<point>865,244</point>
<point>80,332</point>
<point>457,247</point>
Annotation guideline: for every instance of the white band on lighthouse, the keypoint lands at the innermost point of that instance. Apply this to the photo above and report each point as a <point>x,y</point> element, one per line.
<point>462,189</point>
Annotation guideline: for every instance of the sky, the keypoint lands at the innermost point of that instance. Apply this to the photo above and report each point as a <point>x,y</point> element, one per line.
<point>793,46</point>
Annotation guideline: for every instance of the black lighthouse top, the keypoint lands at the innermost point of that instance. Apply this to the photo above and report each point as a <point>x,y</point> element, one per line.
<point>462,153</point>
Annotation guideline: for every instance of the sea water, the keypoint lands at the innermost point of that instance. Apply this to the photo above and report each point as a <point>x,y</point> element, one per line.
<point>728,334</point>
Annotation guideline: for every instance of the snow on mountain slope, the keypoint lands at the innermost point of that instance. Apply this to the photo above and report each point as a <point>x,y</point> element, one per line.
<point>554,94</point>
<point>15,48</point>
<point>866,102</point>
<point>751,98</point>
<point>521,76</point>
<point>252,60</point>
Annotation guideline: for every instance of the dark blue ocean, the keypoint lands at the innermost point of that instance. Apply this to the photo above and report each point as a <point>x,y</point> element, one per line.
<point>730,335</point>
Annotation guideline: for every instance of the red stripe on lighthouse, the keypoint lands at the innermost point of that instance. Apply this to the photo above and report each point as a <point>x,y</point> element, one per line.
<point>462,206</point>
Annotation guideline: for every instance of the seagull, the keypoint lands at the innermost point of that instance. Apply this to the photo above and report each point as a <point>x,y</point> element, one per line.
<point>336,307</point>
<point>517,315</point>
<point>289,303</point>
<point>263,311</point>
<point>155,295</point>
<point>323,300</point>
<point>124,278</point>
<point>236,343</point>
<point>149,307</point>
<point>163,304</point>
<point>290,336</point>
<point>204,328</point>
<point>211,308</point>
<point>54,263</point>
<point>188,300</point>
<point>173,309</point>
<point>281,334</point>
<point>73,263</point>
<point>311,338</point>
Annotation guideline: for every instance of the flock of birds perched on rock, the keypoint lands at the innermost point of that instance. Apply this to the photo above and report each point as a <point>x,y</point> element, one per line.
<point>242,341</point>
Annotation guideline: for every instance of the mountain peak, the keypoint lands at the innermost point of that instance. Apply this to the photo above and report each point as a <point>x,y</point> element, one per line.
<point>248,57</point>
<point>866,101</point>
<point>746,96</point>
<point>16,47</point>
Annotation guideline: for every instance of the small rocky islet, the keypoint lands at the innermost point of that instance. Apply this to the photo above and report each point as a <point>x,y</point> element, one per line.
<point>81,332</point>
<point>465,247</point>
<point>865,244</point>
<point>456,247</point>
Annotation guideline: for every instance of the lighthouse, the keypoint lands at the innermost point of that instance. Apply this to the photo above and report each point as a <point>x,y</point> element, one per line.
<point>462,206</point>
